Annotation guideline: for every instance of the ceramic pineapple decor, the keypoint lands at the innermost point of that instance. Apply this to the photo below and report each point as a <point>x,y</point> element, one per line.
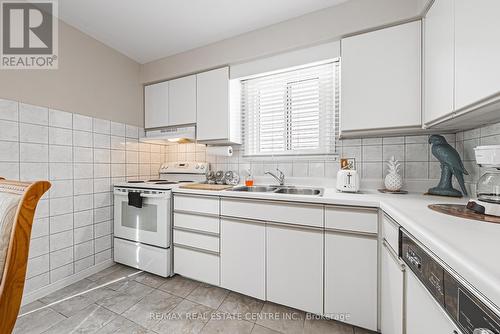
<point>393,180</point>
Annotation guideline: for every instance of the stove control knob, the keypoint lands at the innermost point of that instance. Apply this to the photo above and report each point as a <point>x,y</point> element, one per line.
<point>197,166</point>
<point>202,167</point>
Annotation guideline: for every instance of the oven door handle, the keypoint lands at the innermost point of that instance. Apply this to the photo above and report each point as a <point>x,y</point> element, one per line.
<point>154,195</point>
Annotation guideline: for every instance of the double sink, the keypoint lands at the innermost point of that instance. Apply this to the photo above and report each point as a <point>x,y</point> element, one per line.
<point>289,190</point>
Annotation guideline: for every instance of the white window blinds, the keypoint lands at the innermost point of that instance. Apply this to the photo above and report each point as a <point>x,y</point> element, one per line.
<point>291,112</point>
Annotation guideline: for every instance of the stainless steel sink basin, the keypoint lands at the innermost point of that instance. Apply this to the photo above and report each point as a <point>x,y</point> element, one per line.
<point>300,191</point>
<point>260,189</point>
<point>289,190</point>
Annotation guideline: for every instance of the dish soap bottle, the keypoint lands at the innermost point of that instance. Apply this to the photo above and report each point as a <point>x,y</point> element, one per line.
<point>249,179</point>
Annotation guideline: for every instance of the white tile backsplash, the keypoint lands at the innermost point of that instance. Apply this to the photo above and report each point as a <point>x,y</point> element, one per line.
<point>32,133</point>
<point>9,110</point>
<point>60,119</point>
<point>33,114</point>
<point>59,136</point>
<point>78,154</point>
<point>83,123</point>
<point>9,130</point>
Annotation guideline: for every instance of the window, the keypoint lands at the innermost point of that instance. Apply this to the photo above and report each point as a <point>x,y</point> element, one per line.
<point>290,113</point>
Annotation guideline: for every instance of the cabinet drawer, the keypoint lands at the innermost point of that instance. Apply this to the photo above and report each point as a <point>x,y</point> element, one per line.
<point>199,204</point>
<point>200,266</point>
<point>390,232</point>
<point>207,242</point>
<point>354,219</point>
<point>282,212</point>
<point>197,222</point>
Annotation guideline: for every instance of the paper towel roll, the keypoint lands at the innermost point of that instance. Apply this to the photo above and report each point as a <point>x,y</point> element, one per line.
<point>224,151</point>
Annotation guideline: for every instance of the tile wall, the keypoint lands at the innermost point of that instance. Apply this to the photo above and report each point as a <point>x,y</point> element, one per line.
<point>82,157</point>
<point>467,140</point>
<point>413,152</point>
<point>417,163</point>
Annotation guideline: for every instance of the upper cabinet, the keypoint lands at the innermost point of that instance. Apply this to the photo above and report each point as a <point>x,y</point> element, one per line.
<point>381,81</point>
<point>217,122</point>
<point>156,105</point>
<point>439,62</point>
<point>477,51</point>
<point>182,101</point>
<point>462,85</point>
<point>208,99</point>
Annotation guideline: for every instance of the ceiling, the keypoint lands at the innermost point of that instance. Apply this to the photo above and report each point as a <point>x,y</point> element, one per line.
<point>146,30</point>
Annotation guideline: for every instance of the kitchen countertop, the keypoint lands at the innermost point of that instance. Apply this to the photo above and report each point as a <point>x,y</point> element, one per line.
<point>469,247</point>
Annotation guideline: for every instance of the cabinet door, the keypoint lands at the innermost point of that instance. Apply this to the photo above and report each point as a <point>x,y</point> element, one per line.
<point>423,313</point>
<point>156,105</point>
<point>439,63</point>
<point>182,100</point>
<point>381,73</point>
<point>213,105</point>
<point>351,279</point>
<point>392,292</point>
<point>477,50</point>
<point>243,257</point>
<point>295,267</point>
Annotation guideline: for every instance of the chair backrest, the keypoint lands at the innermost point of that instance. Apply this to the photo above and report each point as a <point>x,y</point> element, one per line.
<point>18,201</point>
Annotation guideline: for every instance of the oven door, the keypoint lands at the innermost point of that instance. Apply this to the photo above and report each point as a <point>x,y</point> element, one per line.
<point>149,224</point>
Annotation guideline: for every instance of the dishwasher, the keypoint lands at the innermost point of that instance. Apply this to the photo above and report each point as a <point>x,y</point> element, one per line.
<point>439,301</point>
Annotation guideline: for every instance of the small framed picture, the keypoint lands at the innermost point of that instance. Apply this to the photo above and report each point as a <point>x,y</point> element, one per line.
<point>348,163</point>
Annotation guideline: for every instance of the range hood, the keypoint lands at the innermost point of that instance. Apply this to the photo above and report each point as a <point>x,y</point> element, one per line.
<point>169,135</point>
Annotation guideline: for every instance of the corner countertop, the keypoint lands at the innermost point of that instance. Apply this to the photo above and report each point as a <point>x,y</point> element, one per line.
<point>469,247</point>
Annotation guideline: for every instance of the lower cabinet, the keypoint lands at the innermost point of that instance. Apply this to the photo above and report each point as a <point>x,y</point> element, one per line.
<point>243,257</point>
<point>295,267</point>
<point>197,264</point>
<point>392,291</point>
<point>351,278</point>
<point>423,314</point>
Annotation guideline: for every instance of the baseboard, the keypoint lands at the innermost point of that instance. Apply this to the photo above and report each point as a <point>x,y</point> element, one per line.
<point>48,289</point>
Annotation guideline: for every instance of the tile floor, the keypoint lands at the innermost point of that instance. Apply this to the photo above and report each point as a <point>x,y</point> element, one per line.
<point>120,299</point>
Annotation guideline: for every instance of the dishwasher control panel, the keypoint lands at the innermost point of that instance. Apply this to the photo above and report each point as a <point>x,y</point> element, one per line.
<point>465,307</point>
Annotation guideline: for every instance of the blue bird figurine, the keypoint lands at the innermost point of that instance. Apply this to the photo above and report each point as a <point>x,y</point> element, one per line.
<point>451,164</point>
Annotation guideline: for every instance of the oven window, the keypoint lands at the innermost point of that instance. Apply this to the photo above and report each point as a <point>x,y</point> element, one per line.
<point>144,219</point>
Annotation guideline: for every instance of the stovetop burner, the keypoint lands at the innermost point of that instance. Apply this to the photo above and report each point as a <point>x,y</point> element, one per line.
<point>137,181</point>
<point>155,180</point>
<point>165,182</point>
<point>186,181</point>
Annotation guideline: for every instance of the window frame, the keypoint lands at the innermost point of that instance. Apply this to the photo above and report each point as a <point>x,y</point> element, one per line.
<point>328,150</point>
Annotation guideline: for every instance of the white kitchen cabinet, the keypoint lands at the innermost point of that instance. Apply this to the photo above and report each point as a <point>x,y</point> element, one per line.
<point>182,101</point>
<point>439,61</point>
<point>351,279</point>
<point>381,81</point>
<point>392,273</point>
<point>200,265</point>
<point>156,105</point>
<point>423,313</point>
<point>243,257</point>
<point>477,51</point>
<point>216,122</point>
<point>295,267</point>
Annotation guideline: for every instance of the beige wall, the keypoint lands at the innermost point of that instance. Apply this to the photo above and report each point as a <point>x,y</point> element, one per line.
<point>314,28</point>
<point>92,79</point>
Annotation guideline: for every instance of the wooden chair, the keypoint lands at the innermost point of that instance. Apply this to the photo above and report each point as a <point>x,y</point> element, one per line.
<point>18,201</point>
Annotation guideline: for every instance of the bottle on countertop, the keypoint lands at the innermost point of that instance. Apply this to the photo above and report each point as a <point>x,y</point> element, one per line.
<point>249,178</point>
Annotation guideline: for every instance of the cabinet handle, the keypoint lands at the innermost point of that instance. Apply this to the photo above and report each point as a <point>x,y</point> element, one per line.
<point>190,230</point>
<point>196,249</point>
<point>395,257</point>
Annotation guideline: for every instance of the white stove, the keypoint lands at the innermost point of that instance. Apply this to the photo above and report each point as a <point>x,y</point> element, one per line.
<point>171,175</point>
<point>143,217</point>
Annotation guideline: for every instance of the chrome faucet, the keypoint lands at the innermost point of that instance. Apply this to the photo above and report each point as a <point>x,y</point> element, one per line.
<point>280,178</point>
